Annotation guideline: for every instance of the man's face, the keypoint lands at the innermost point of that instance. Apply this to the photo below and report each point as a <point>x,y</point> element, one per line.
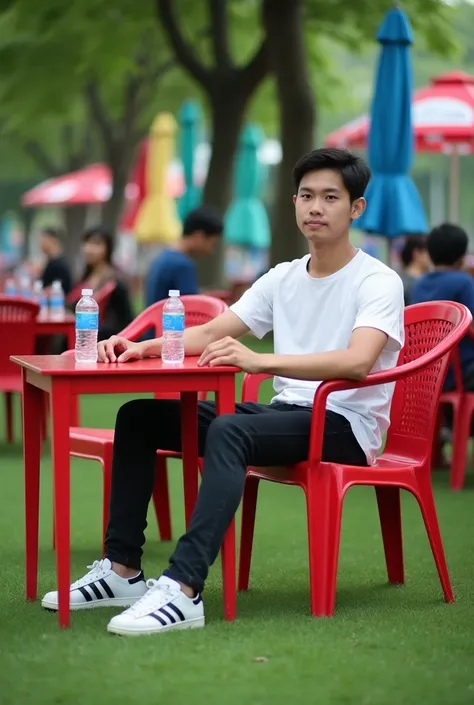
<point>45,243</point>
<point>422,259</point>
<point>323,206</point>
<point>205,244</point>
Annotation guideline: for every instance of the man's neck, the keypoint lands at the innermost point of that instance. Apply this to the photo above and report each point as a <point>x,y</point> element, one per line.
<point>183,246</point>
<point>327,259</point>
<point>414,270</point>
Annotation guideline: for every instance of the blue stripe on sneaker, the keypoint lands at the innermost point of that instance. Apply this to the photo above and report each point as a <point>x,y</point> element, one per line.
<point>167,614</point>
<point>159,619</point>
<point>197,600</point>
<point>95,590</point>
<point>106,588</point>
<point>85,594</point>
<point>137,579</point>
<point>176,610</point>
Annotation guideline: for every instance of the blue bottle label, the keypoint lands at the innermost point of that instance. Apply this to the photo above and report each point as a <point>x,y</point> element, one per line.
<point>173,322</point>
<point>87,321</point>
<point>56,301</point>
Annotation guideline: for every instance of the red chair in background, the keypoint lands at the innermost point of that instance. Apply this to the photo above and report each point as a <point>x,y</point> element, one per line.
<point>18,334</point>
<point>431,332</point>
<point>97,443</point>
<point>462,403</point>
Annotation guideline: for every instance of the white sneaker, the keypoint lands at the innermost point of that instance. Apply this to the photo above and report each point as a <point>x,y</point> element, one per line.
<point>162,608</point>
<point>100,587</point>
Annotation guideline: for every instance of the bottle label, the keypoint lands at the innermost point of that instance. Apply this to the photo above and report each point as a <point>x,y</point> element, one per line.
<point>56,301</point>
<point>87,321</point>
<point>173,322</point>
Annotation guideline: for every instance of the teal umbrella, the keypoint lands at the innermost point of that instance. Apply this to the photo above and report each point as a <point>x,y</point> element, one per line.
<point>246,221</point>
<point>190,121</point>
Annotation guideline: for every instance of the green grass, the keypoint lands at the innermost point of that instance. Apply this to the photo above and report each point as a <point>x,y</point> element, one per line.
<point>385,645</point>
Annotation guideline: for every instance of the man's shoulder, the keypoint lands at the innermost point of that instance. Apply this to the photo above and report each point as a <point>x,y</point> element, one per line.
<point>373,271</point>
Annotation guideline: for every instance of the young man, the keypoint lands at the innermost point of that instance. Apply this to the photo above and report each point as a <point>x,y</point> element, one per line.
<point>336,312</point>
<point>174,268</point>
<point>57,268</point>
<point>416,262</point>
<point>447,247</point>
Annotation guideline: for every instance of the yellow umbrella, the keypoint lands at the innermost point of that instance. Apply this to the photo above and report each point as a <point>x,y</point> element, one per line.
<point>157,218</point>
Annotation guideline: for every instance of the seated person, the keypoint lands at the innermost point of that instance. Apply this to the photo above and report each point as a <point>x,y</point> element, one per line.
<point>57,268</point>
<point>97,251</point>
<point>447,246</point>
<point>336,312</point>
<point>416,261</point>
<point>174,268</point>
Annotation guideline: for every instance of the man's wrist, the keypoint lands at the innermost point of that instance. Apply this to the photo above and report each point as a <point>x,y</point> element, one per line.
<point>265,363</point>
<point>150,348</point>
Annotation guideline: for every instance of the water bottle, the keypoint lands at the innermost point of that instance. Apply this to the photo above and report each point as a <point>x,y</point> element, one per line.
<point>25,287</point>
<point>40,298</point>
<point>87,327</point>
<point>172,350</point>
<point>10,288</point>
<point>56,301</point>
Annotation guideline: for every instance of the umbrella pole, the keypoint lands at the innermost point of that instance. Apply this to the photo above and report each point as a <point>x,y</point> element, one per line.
<point>455,168</point>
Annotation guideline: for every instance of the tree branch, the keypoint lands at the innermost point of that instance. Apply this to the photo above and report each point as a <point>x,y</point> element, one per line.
<point>98,111</point>
<point>256,69</point>
<point>220,34</point>
<point>183,52</point>
<point>36,152</point>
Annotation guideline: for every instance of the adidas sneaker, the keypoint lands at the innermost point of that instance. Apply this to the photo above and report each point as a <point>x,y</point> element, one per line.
<point>163,608</point>
<point>100,587</point>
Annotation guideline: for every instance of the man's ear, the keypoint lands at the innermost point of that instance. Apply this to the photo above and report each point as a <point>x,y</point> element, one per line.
<point>294,199</point>
<point>358,207</point>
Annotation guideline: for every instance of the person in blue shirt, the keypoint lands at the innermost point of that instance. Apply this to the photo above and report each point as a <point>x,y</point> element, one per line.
<point>174,268</point>
<point>447,247</point>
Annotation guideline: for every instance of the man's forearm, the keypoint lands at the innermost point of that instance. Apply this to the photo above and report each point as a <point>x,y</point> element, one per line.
<point>195,339</point>
<point>335,364</point>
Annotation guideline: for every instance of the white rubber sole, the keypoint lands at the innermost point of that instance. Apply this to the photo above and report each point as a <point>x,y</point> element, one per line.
<point>137,631</point>
<point>106,602</point>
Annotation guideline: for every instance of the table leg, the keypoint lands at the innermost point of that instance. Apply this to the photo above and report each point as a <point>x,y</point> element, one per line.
<point>189,444</point>
<point>225,404</point>
<point>32,401</point>
<point>61,413</point>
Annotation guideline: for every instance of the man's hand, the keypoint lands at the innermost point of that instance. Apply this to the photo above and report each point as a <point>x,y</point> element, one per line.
<point>117,349</point>
<point>228,351</point>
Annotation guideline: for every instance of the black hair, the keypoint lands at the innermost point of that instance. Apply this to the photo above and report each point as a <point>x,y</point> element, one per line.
<point>354,171</point>
<point>447,244</point>
<point>107,238</point>
<point>56,233</point>
<point>412,243</point>
<point>204,219</point>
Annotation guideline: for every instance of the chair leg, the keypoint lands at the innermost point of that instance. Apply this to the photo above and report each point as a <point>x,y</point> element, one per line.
<point>249,507</point>
<point>461,431</point>
<point>9,416</point>
<point>161,498</point>
<point>107,486</point>
<point>428,509</point>
<point>75,411</point>
<point>388,501</point>
<point>324,501</point>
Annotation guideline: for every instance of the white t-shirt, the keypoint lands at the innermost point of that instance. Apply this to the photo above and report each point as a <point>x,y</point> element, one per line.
<point>311,315</point>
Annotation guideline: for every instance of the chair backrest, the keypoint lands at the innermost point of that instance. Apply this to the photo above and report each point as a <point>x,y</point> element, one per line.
<point>17,331</point>
<point>102,296</point>
<point>428,326</point>
<point>198,309</point>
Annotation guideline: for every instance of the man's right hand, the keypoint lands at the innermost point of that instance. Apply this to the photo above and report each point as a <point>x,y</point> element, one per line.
<point>117,349</point>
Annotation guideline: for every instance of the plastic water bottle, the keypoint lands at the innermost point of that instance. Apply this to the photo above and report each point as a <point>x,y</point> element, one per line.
<point>25,287</point>
<point>10,288</point>
<point>172,351</point>
<point>56,301</point>
<point>40,298</point>
<point>87,327</point>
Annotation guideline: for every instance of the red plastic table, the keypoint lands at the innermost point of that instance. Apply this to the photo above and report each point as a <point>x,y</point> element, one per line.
<point>63,379</point>
<point>47,325</point>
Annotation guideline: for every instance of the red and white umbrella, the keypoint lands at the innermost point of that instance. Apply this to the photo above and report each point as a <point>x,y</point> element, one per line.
<point>443,122</point>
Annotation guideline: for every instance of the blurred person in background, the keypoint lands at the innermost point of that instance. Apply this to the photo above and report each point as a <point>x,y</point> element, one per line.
<point>97,251</point>
<point>416,261</point>
<point>56,269</point>
<point>174,267</point>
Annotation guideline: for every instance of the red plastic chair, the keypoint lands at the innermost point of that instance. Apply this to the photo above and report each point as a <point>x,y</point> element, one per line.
<point>17,333</point>
<point>431,330</point>
<point>462,403</point>
<point>97,443</point>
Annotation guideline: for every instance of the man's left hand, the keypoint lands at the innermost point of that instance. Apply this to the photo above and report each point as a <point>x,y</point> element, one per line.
<point>230,352</point>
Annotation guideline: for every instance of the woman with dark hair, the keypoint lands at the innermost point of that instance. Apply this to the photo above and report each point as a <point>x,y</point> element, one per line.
<point>97,251</point>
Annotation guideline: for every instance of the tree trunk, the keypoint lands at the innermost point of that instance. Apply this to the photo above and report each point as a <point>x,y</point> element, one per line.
<point>285,35</point>
<point>227,119</point>
<point>119,157</point>
<point>74,222</point>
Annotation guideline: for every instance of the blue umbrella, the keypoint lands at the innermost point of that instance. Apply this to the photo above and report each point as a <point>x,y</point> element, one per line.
<point>190,119</point>
<point>394,206</point>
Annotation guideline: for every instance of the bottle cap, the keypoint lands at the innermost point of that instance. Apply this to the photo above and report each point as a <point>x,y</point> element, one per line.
<point>87,292</point>
<point>173,292</point>
<point>57,284</point>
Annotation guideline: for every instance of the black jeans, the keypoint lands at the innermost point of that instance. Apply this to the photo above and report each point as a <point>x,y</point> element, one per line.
<point>255,435</point>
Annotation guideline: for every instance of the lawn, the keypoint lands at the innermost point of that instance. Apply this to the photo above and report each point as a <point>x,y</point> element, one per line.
<point>385,644</point>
